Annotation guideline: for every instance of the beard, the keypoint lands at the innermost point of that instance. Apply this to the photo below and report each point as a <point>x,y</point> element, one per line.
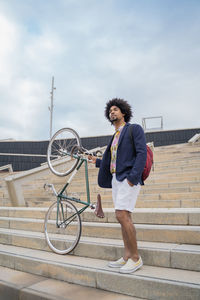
<point>112,120</point>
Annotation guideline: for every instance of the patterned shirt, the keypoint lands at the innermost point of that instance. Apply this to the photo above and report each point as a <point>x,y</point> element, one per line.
<point>113,149</point>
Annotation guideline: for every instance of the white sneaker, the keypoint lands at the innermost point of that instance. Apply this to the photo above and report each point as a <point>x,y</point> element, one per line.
<point>117,264</point>
<point>131,266</point>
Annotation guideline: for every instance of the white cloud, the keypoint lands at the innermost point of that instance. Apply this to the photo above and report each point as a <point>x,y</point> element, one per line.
<point>144,53</point>
<point>9,43</point>
<point>42,51</point>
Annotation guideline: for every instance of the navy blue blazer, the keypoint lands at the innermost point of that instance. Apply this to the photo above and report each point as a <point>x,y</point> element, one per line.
<point>130,160</point>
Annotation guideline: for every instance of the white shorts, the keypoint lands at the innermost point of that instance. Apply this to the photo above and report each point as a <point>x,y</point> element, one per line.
<point>124,196</point>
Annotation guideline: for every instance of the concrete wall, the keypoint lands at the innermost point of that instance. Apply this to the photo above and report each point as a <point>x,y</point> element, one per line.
<point>20,163</point>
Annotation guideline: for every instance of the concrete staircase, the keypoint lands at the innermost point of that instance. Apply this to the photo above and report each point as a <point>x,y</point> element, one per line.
<point>167,220</point>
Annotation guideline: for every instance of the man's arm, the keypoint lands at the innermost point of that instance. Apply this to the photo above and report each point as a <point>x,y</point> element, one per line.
<point>141,154</point>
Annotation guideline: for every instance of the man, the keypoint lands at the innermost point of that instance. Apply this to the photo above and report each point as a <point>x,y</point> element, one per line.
<point>121,168</point>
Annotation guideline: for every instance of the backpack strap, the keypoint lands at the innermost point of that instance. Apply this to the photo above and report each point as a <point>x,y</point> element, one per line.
<point>149,153</point>
<point>131,136</point>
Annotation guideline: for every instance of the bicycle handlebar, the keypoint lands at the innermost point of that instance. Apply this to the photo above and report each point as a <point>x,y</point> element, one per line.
<point>51,187</point>
<point>82,150</point>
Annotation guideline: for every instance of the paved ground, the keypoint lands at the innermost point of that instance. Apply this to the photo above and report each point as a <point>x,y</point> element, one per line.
<point>16,285</point>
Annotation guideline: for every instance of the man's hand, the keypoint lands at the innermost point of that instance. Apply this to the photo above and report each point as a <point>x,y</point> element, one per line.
<point>92,159</point>
<point>130,183</point>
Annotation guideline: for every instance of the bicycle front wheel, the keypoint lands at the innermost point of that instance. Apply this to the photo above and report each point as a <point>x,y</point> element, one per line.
<point>59,151</point>
<point>62,227</point>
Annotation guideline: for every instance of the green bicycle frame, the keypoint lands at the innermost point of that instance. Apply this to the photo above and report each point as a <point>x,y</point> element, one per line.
<point>62,196</point>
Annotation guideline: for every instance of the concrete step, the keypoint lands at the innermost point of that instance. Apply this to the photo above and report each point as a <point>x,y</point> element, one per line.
<point>39,202</point>
<point>152,196</point>
<point>183,153</point>
<point>171,166</point>
<point>108,203</point>
<point>164,174</point>
<point>181,158</point>
<point>179,168</point>
<point>177,149</point>
<point>162,196</point>
<point>148,282</point>
<point>162,216</point>
<point>189,185</point>
<point>171,195</point>
<point>173,178</point>
<point>145,232</point>
<point>178,160</point>
<point>155,194</point>
<point>158,203</point>
<point>171,189</point>
<point>186,184</point>
<point>168,255</point>
<point>164,154</point>
<point>20,212</point>
<point>153,179</point>
<point>181,216</point>
<point>94,172</point>
<point>78,185</point>
<point>46,202</point>
<point>149,184</point>
<point>186,193</point>
<point>15,285</point>
<point>164,166</point>
<point>165,204</point>
<point>147,189</point>
<point>181,193</point>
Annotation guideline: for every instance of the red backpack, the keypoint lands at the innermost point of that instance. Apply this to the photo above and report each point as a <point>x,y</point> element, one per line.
<point>149,161</point>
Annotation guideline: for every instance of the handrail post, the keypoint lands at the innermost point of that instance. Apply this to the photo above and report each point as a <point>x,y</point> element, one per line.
<point>15,192</point>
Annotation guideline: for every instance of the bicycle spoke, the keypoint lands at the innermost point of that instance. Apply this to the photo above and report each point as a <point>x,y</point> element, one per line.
<point>63,238</point>
<point>60,146</point>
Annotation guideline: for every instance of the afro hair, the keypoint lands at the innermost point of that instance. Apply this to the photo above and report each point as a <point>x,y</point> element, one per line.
<point>122,105</point>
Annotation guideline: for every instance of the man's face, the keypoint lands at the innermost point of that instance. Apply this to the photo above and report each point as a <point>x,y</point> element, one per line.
<point>115,114</point>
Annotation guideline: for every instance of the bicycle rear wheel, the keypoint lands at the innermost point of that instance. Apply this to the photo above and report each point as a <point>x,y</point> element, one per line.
<point>59,150</point>
<point>62,227</point>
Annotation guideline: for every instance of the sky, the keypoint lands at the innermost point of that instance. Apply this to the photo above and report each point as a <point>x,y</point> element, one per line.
<point>146,52</point>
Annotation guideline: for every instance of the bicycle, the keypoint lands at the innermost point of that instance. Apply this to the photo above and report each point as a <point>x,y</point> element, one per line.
<point>63,225</point>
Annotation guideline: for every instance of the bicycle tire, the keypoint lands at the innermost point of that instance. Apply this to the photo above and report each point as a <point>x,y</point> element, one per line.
<point>59,158</point>
<point>63,239</point>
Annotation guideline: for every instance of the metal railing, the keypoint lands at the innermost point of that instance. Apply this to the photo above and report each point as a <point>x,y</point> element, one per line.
<point>6,167</point>
<point>14,182</point>
<point>195,139</point>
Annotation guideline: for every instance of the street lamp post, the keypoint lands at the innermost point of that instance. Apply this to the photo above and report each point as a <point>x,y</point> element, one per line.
<point>51,107</point>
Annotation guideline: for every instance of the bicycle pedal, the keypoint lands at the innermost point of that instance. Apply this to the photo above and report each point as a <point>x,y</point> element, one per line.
<point>92,206</point>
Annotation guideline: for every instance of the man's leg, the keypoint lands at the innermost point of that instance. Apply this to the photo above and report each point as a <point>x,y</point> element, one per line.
<point>128,234</point>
